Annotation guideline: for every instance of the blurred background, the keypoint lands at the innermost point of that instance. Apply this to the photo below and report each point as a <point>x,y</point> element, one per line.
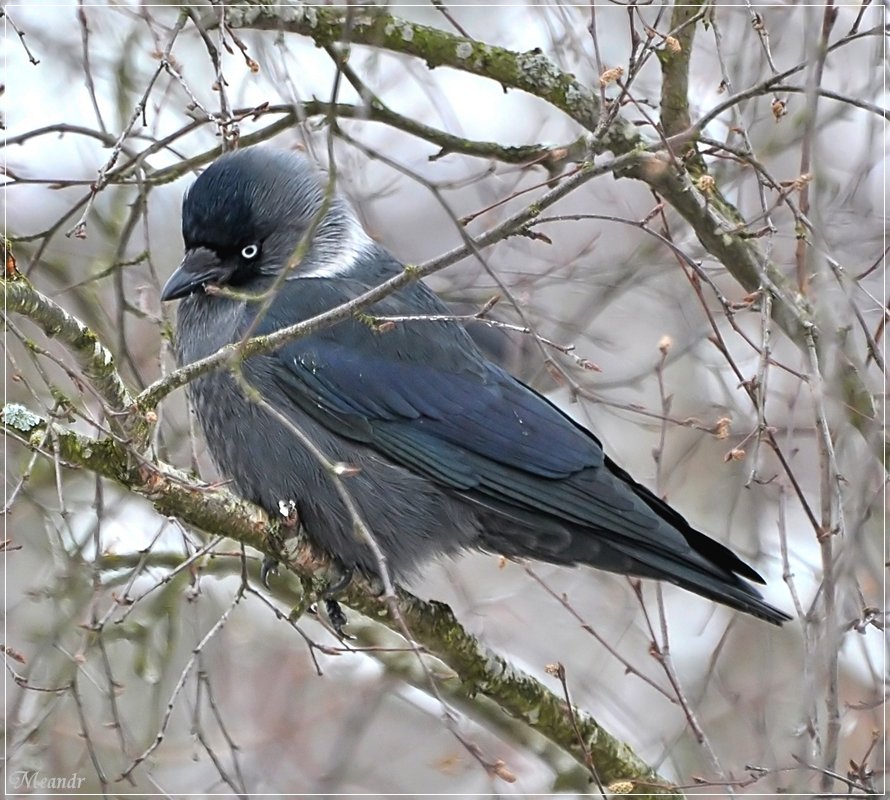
<point>100,651</point>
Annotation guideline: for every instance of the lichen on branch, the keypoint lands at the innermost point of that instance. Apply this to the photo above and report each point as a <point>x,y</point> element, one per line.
<point>530,71</point>
<point>94,359</point>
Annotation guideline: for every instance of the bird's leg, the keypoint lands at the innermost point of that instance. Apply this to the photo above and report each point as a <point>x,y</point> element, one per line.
<point>288,510</point>
<point>342,576</point>
<point>336,617</point>
<point>267,568</point>
<point>332,607</point>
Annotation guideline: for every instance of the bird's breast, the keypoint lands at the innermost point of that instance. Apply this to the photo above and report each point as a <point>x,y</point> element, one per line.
<point>206,323</point>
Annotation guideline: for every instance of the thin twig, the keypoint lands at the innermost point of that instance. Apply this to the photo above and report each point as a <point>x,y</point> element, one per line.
<point>80,227</point>
<point>21,34</point>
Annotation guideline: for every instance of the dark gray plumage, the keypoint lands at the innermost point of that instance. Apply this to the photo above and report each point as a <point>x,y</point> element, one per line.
<point>452,452</point>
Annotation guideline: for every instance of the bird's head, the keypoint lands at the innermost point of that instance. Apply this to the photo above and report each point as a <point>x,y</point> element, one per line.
<point>245,216</point>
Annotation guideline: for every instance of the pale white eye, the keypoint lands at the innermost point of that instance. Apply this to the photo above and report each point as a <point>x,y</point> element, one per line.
<point>251,251</point>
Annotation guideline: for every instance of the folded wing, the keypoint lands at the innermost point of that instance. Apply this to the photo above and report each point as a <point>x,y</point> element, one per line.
<point>422,394</point>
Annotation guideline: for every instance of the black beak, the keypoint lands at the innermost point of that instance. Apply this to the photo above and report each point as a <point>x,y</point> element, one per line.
<point>199,267</point>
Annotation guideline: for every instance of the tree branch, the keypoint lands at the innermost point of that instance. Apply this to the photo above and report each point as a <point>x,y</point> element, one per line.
<point>218,512</point>
<point>675,58</point>
<point>531,71</point>
<point>170,490</point>
<point>94,359</point>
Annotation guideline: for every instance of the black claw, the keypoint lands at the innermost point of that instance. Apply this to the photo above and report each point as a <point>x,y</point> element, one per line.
<point>268,567</point>
<point>342,577</point>
<point>336,617</point>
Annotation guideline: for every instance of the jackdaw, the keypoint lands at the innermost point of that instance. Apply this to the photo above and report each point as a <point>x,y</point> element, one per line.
<point>446,450</point>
